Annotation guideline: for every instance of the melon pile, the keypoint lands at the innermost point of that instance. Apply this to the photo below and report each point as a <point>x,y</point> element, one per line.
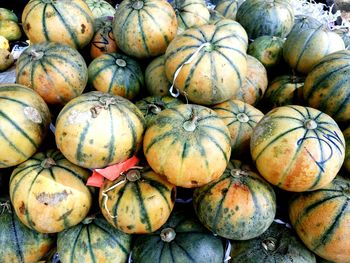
<point>169,132</point>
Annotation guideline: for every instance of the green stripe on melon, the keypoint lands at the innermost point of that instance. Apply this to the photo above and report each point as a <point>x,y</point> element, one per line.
<point>24,120</point>
<point>19,243</point>
<point>93,240</point>
<point>140,204</point>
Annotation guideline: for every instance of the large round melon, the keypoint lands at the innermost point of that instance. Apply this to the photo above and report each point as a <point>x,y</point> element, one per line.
<point>24,121</point>
<point>144,28</point>
<point>56,71</point>
<point>277,244</point>
<point>63,21</point>
<point>94,234</point>
<point>189,144</point>
<point>116,74</point>
<point>239,205</point>
<point>139,202</point>
<point>327,86</point>
<point>266,17</point>
<point>297,148</point>
<point>181,239</point>
<point>321,219</point>
<point>49,193</point>
<point>98,129</point>
<point>304,49</point>
<point>218,66</point>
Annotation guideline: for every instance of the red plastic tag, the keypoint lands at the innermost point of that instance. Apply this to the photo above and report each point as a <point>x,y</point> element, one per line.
<point>95,180</point>
<point>111,172</point>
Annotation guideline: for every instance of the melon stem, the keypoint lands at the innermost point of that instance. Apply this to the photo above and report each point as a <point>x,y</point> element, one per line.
<point>168,234</point>
<point>310,124</point>
<point>190,125</point>
<point>48,163</point>
<point>269,244</point>
<point>36,55</point>
<point>89,219</point>
<point>154,108</point>
<point>133,175</point>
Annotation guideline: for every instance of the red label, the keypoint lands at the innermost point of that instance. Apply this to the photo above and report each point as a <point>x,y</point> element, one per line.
<point>111,172</point>
<point>95,180</point>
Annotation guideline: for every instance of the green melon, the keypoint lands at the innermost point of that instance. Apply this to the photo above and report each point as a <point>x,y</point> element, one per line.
<point>261,17</point>
<point>277,244</point>
<point>239,205</point>
<point>181,239</point>
<point>93,240</point>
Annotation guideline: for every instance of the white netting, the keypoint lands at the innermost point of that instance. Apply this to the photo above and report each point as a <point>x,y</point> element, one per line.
<point>317,11</point>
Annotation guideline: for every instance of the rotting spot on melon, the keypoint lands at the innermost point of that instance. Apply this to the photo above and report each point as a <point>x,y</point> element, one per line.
<point>22,208</point>
<point>32,114</point>
<point>83,27</point>
<point>52,199</point>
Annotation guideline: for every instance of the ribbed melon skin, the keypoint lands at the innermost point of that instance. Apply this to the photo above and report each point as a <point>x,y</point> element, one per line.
<point>188,157</point>
<point>64,21</point>
<point>100,8</point>
<point>153,105</point>
<point>239,205</point>
<point>240,119</point>
<point>144,28</point>
<point>228,8</point>
<point>56,71</point>
<point>327,86</point>
<point>157,83</point>
<point>284,90</point>
<point>321,220</point>
<point>116,74</point>
<point>93,240</point>
<point>49,193</point>
<point>268,50</point>
<point>346,133</point>
<point>255,84</point>
<point>138,207</point>
<point>192,243</point>
<point>217,71</point>
<point>19,243</point>
<point>261,17</point>
<point>24,121</point>
<point>98,129</point>
<point>190,13</point>
<point>297,148</point>
<point>303,50</point>
<point>287,247</point>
